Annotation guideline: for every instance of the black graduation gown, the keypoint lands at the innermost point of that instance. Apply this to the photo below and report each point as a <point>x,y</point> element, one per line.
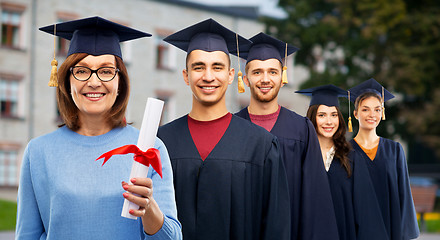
<point>383,201</point>
<point>238,192</point>
<point>341,187</point>
<point>312,213</point>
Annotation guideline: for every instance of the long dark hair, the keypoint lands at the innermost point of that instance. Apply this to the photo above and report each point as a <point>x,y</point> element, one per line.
<point>341,144</point>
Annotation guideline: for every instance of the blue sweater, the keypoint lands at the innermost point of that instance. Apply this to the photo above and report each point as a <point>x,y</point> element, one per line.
<point>65,194</point>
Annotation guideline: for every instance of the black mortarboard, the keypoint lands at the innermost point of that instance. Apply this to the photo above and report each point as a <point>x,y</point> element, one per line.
<point>94,35</point>
<point>325,95</point>
<point>370,85</point>
<point>208,36</point>
<point>266,47</point>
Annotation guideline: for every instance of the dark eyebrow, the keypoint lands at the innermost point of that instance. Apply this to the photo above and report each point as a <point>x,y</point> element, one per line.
<point>104,64</point>
<point>372,107</point>
<point>197,64</point>
<point>219,64</point>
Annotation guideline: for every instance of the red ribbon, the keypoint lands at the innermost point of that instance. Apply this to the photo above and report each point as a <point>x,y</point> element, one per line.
<point>151,156</point>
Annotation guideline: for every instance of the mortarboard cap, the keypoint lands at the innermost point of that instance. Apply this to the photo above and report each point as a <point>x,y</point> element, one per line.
<point>94,35</point>
<point>266,47</point>
<point>370,85</point>
<point>325,95</point>
<point>208,36</point>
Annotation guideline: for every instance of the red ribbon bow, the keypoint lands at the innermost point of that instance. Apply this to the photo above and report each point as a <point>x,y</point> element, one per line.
<point>151,156</point>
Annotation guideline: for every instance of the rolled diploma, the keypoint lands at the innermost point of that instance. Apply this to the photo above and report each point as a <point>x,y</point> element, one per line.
<point>146,140</point>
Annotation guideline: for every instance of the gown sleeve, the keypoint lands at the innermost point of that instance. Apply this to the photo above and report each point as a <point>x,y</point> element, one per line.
<point>410,229</point>
<point>276,212</point>
<point>29,223</point>
<point>318,218</point>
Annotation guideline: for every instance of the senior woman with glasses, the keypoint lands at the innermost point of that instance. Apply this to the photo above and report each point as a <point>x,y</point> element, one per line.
<point>63,192</point>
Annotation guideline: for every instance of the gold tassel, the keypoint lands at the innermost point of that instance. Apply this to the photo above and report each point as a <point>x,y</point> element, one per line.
<point>383,113</point>
<point>239,74</point>
<point>53,82</point>
<point>350,126</point>
<point>284,76</point>
<point>240,82</point>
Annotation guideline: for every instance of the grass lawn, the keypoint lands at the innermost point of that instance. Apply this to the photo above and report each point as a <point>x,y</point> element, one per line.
<point>8,213</point>
<point>432,221</point>
<point>432,226</point>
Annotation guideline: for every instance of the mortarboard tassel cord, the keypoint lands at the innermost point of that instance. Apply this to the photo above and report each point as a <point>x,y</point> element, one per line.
<point>383,105</point>
<point>284,75</point>
<point>350,126</point>
<point>53,81</point>
<point>239,74</point>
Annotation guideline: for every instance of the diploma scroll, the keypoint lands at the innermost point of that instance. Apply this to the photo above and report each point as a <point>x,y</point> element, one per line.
<point>146,140</point>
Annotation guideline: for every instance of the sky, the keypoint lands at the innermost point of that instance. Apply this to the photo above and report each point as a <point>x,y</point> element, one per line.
<point>266,7</point>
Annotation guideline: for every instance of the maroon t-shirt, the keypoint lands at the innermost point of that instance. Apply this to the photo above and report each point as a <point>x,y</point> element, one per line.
<point>206,134</point>
<point>266,121</point>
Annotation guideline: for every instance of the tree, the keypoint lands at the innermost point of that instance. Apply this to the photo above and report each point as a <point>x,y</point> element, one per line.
<point>397,42</point>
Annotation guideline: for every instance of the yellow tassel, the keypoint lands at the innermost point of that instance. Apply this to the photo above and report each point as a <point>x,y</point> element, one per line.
<point>240,82</point>
<point>383,113</point>
<point>53,82</point>
<point>350,126</point>
<point>284,76</point>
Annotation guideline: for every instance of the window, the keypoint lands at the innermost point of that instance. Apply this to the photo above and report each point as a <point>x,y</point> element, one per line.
<point>165,55</point>
<point>162,54</point>
<point>9,90</point>
<point>8,167</point>
<point>11,22</point>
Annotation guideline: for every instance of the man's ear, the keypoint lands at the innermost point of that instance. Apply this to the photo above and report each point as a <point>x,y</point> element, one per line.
<point>231,75</point>
<point>246,80</point>
<point>185,76</point>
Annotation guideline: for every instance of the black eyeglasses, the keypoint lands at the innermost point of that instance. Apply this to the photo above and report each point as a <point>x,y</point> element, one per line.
<point>104,74</point>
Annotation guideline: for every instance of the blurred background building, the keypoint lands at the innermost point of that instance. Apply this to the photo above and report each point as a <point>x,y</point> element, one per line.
<point>28,105</point>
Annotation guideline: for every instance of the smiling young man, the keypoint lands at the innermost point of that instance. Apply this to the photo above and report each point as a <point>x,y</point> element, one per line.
<point>312,214</point>
<point>229,178</point>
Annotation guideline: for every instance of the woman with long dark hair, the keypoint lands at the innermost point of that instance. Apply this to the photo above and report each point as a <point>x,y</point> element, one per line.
<point>330,127</point>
